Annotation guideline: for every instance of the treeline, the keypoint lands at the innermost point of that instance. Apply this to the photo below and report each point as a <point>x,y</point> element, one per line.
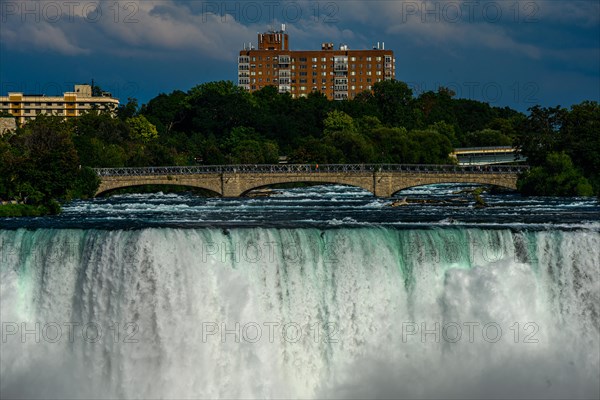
<point>563,147</point>
<point>220,123</point>
<point>40,166</point>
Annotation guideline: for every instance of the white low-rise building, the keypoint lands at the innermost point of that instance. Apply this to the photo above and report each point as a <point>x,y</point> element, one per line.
<point>71,104</point>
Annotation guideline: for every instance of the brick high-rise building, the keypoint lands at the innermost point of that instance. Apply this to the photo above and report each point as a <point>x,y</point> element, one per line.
<point>338,73</point>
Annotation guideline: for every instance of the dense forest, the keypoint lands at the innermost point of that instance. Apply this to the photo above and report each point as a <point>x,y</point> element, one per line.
<point>219,123</point>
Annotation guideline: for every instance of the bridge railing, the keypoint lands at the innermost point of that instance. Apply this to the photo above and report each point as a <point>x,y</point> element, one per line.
<point>311,168</point>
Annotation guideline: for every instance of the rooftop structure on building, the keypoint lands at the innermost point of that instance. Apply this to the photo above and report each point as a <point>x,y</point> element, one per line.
<point>340,73</point>
<point>25,107</point>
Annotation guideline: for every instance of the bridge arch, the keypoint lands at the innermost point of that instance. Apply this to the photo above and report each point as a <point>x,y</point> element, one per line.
<point>205,182</point>
<point>104,192</point>
<point>325,182</point>
<point>247,185</point>
<point>508,183</point>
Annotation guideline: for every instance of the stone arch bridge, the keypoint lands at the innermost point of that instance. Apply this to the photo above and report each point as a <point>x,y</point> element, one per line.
<point>383,180</point>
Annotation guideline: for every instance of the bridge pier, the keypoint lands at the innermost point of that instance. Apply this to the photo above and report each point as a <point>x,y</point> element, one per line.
<point>383,184</point>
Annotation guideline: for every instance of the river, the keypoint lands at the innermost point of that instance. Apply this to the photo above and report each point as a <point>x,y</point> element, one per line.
<point>318,292</point>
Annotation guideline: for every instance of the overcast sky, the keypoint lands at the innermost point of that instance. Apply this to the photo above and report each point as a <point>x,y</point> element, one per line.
<point>509,53</point>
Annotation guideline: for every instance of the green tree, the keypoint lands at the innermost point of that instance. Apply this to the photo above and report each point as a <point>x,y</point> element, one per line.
<point>248,147</point>
<point>487,137</point>
<point>394,100</point>
<point>141,129</point>
<point>341,133</point>
<point>85,184</point>
<point>436,107</point>
<point>391,145</point>
<point>166,111</point>
<point>429,147</point>
<point>555,177</point>
<point>128,110</point>
<point>580,139</point>
<point>314,151</point>
<point>540,133</point>
<point>49,163</point>
<point>218,107</point>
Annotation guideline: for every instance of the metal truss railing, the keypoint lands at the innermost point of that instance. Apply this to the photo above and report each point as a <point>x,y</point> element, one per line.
<point>311,168</point>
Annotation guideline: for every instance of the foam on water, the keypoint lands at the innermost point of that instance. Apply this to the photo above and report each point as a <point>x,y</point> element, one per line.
<point>300,313</point>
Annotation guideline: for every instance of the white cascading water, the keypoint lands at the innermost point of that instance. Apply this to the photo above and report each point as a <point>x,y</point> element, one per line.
<point>300,313</point>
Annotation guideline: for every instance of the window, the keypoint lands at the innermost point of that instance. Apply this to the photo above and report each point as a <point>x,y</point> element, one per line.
<point>369,59</point>
<point>302,59</point>
<point>378,59</point>
<point>314,59</point>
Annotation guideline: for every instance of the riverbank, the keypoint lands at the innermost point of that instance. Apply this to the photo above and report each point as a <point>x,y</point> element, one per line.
<point>27,210</point>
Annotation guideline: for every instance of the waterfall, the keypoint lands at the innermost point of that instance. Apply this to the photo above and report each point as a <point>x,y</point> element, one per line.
<point>300,313</point>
